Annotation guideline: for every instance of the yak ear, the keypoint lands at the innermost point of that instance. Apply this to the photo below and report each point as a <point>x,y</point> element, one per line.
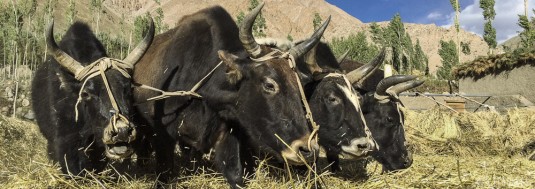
<point>234,73</point>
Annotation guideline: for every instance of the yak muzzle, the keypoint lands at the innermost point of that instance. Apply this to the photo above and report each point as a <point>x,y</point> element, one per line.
<point>117,138</point>
<point>359,148</point>
<point>299,152</point>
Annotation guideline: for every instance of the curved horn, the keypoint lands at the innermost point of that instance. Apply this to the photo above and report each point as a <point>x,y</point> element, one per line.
<point>396,89</point>
<point>342,57</point>
<point>359,75</point>
<point>311,61</point>
<point>246,32</point>
<point>140,49</point>
<point>308,44</point>
<point>61,57</point>
<point>389,82</point>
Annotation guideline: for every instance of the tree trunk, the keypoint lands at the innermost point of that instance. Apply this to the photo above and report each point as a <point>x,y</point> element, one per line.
<point>526,8</point>
<point>457,27</point>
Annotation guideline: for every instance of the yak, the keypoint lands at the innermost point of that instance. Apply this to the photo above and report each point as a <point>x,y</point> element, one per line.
<point>248,104</point>
<point>83,100</point>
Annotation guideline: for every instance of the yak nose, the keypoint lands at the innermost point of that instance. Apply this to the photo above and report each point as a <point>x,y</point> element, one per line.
<point>123,132</point>
<point>309,153</point>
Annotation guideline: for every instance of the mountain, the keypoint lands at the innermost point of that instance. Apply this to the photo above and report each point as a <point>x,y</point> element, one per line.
<point>283,18</point>
<point>512,43</point>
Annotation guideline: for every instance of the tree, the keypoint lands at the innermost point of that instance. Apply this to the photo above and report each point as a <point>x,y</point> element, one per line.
<point>158,20</point>
<point>70,14</point>
<point>421,61</point>
<point>96,7</point>
<point>456,8</point>
<point>259,26</point>
<point>489,31</point>
<point>448,53</point>
<point>358,47</point>
<point>406,56</point>
<point>395,35</point>
<point>317,21</point>
<point>141,26</point>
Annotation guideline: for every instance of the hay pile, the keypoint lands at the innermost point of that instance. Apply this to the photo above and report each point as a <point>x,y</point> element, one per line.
<point>480,150</point>
<point>470,134</point>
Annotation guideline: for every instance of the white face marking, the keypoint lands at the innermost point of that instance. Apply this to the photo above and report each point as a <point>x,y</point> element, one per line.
<point>350,96</point>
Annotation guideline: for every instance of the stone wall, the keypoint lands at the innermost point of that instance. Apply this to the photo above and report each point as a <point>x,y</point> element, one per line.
<point>519,81</point>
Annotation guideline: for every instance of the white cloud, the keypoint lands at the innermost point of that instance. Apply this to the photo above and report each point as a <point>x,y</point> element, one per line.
<point>505,22</point>
<point>435,16</point>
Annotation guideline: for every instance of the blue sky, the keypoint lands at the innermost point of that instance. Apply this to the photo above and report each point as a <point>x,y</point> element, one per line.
<point>438,12</point>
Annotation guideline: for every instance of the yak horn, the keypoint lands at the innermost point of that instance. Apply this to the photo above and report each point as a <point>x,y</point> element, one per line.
<point>388,82</point>
<point>61,57</point>
<point>396,89</point>
<point>138,52</point>
<point>359,75</point>
<point>311,61</point>
<point>342,57</point>
<point>246,32</point>
<point>308,44</point>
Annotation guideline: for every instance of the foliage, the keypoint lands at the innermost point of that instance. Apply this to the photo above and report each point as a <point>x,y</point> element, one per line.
<point>259,26</point>
<point>289,37</point>
<point>465,48</point>
<point>141,26</point>
<point>448,54</point>
<point>71,12</point>
<point>96,7</point>
<point>406,57</point>
<point>456,8</point>
<point>489,31</point>
<point>358,47</point>
<point>316,22</point>
<point>527,36</point>
<point>421,61</point>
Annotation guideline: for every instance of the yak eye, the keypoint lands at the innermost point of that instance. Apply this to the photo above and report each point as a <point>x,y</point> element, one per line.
<point>270,85</point>
<point>85,95</point>
<point>331,99</point>
<point>390,119</point>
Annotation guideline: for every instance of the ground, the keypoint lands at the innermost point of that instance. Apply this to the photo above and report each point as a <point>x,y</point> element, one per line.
<point>442,162</point>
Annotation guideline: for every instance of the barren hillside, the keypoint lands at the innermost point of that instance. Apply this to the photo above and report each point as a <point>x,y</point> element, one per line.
<point>288,17</point>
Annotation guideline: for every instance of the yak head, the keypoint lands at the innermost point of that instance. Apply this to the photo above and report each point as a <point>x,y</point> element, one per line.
<point>382,111</point>
<point>102,87</point>
<point>337,106</point>
<point>270,104</point>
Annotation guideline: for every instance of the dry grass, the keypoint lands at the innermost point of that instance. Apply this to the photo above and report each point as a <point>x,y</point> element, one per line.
<point>473,150</point>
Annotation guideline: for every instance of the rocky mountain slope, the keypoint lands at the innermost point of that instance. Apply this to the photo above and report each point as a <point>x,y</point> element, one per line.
<point>283,18</point>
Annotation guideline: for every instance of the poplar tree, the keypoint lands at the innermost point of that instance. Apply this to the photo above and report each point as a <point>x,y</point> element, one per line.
<point>457,8</point>
<point>489,31</point>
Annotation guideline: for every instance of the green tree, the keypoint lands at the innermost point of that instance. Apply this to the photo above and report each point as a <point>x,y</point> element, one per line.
<point>457,9</point>
<point>316,22</point>
<point>448,54</point>
<point>489,31</point>
<point>259,26</point>
<point>421,61</point>
<point>358,46</point>
<point>96,7</point>
<point>527,35</point>
<point>158,21</point>
<point>465,48</point>
<point>141,26</point>
<point>71,12</point>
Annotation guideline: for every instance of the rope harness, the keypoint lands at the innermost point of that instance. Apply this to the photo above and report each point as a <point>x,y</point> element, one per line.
<point>99,67</point>
<point>357,105</point>
<point>191,92</point>
<point>292,64</point>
